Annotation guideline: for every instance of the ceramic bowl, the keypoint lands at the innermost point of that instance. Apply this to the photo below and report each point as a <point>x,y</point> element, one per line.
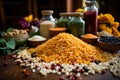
<point>56,30</point>
<point>35,43</point>
<point>107,46</point>
<point>36,40</point>
<point>89,40</point>
<point>20,39</point>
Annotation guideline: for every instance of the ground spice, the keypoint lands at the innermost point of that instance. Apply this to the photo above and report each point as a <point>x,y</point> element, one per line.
<point>67,48</point>
<point>88,35</point>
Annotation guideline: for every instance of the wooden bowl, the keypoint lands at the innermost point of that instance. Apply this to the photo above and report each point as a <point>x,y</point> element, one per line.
<point>56,30</point>
<point>110,47</point>
<point>90,40</point>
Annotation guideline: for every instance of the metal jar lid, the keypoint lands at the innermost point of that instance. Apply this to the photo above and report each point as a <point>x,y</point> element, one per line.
<point>47,12</point>
<point>90,3</point>
<point>64,14</point>
<point>76,14</point>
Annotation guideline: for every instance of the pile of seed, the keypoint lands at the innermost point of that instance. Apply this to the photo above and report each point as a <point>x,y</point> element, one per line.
<point>66,48</point>
<point>25,59</point>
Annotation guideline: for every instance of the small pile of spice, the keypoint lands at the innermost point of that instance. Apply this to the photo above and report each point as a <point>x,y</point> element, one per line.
<point>56,30</point>
<point>37,38</point>
<point>88,35</point>
<point>66,48</point>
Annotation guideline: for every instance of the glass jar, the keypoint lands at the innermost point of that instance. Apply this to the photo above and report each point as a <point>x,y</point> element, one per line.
<point>44,28</point>
<point>47,21</point>
<point>63,20</point>
<point>76,25</point>
<point>47,15</point>
<point>90,17</point>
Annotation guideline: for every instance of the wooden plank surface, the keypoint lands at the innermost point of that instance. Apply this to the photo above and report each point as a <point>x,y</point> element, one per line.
<point>14,72</point>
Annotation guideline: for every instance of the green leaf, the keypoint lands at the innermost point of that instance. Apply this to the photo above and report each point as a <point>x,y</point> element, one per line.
<point>11,43</point>
<point>7,51</point>
<point>7,46</point>
<point>3,47</point>
<point>9,29</point>
<point>3,42</point>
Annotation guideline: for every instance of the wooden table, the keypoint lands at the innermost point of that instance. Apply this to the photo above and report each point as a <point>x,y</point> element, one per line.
<point>13,71</point>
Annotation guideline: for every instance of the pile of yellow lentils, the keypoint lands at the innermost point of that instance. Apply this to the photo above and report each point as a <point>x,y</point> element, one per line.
<point>66,48</point>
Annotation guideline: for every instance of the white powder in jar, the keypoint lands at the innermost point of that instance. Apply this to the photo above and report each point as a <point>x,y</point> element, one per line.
<point>44,28</point>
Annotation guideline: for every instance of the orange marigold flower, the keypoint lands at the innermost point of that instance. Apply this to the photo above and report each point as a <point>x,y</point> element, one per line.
<point>106,17</point>
<point>115,24</point>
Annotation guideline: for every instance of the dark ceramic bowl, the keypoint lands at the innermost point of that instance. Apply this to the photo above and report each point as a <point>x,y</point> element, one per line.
<point>110,47</point>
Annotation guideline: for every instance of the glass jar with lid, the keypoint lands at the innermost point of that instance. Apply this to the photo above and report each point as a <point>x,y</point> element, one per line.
<point>90,16</point>
<point>76,25</point>
<point>44,28</point>
<point>47,15</point>
<point>47,21</point>
<point>63,20</point>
